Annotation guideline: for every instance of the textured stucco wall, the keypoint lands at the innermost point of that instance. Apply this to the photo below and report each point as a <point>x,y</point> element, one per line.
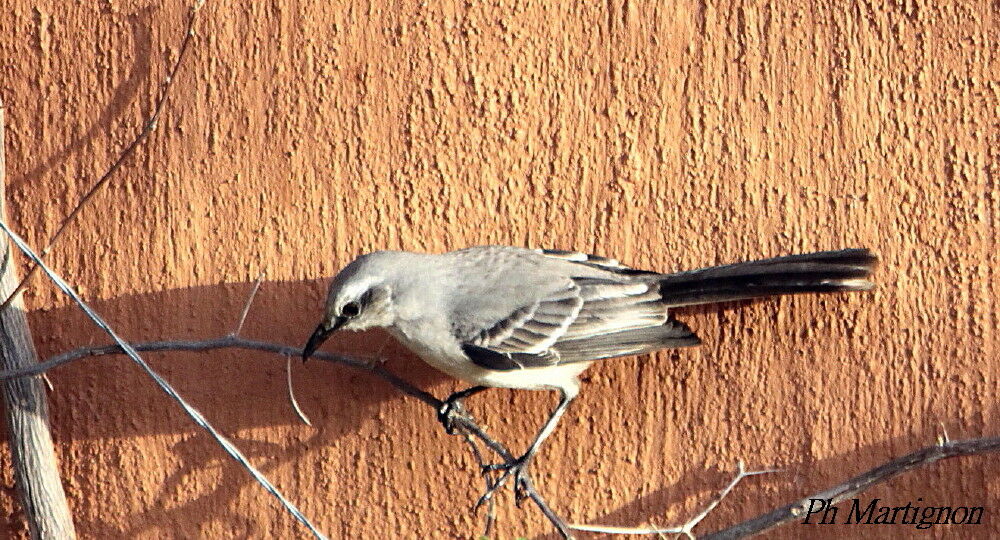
<point>669,135</point>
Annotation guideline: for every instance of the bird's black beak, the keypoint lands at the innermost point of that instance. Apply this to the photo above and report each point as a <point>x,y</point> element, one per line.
<point>319,336</point>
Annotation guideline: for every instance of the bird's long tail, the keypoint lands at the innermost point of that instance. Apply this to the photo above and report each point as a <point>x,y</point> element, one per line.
<point>825,271</point>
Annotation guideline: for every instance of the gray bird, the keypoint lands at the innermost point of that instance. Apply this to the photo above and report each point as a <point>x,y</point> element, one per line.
<point>511,317</point>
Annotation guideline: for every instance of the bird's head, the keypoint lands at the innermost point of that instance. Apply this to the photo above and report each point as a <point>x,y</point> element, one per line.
<point>360,298</point>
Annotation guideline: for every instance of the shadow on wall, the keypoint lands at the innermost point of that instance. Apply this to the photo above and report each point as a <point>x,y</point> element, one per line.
<point>110,398</point>
<point>140,23</point>
<point>242,389</point>
<point>945,483</point>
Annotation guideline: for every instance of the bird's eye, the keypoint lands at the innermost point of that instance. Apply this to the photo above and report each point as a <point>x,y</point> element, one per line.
<point>350,309</point>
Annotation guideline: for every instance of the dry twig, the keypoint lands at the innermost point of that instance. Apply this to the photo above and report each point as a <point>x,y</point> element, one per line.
<point>795,511</point>
<point>291,393</point>
<point>248,303</point>
<point>687,529</point>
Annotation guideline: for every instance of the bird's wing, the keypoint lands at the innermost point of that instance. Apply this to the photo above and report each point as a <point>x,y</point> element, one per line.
<point>587,319</point>
<point>593,261</point>
<point>534,328</point>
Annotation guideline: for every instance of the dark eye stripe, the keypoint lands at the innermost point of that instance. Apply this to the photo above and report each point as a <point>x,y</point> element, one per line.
<point>366,298</point>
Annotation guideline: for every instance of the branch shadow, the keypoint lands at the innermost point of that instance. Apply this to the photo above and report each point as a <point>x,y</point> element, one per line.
<point>243,394</point>
<point>140,24</point>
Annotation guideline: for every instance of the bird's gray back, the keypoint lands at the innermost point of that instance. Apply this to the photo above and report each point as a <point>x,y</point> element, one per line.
<point>489,283</point>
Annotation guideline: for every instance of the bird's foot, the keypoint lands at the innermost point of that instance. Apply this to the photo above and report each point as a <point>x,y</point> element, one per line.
<point>517,469</point>
<point>451,410</point>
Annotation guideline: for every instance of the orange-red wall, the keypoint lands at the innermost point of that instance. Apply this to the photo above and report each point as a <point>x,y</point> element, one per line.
<point>670,135</point>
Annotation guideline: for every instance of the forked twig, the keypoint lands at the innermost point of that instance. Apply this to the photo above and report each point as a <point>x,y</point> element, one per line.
<point>687,528</point>
<point>796,510</point>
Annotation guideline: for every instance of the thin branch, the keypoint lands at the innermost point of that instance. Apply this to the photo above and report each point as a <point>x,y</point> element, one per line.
<point>945,449</point>
<point>741,473</point>
<point>481,462</point>
<point>148,127</point>
<point>529,487</point>
<point>248,303</point>
<point>687,529</point>
<point>849,488</point>
<point>195,415</point>
<point>291,393</point>
<point>224,342</point>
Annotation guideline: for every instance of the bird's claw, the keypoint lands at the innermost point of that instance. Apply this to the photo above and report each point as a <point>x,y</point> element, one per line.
<point>517,469</point>
<point>449,411</point>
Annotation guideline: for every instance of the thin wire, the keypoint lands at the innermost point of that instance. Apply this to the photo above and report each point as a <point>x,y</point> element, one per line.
<point>225,443</point>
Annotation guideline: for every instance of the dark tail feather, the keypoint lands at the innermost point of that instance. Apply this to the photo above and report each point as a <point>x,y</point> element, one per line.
<point>825,271</point>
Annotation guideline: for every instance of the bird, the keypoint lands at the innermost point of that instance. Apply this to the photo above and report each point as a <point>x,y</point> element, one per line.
<point>513,317</point>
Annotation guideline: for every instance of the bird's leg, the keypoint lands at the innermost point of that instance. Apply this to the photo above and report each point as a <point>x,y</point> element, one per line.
<point>452,407</point>
<point>517,467</point>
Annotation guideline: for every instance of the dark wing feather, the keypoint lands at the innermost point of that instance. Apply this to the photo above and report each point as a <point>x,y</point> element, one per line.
<point>669,335</point>
<point>506,361</point>
<point>594,261</point>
